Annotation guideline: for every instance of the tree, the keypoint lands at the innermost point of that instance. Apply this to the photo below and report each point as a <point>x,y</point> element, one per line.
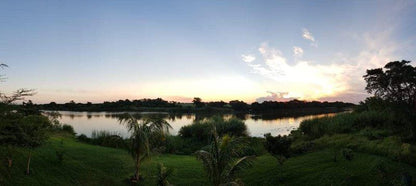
<point>24,127</point>
<point>33,134</point>
<point>397,83</point>
<point>239,106</point>
<point>224,159</point>
<point>198,102</point>
<point>17,95</point>
<point>9,127</point>
<point>143,133</point>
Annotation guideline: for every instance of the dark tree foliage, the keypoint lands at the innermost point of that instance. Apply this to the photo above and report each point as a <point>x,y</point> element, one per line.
<point>218,104</point>
<point>297,106</point>
<point>198,102</point>
<point>278,146</point>
<point>239,106</point>
<point>396,83</point>
<point>28,108</point>
<point>34,130</point>
<point>160,105</point>
<point>120,105</point>
<point>25,126</point>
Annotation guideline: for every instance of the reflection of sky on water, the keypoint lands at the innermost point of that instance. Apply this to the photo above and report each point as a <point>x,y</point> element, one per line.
<point>86,122</point>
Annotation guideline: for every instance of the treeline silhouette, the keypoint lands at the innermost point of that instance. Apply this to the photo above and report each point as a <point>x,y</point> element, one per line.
<point>235,106</point>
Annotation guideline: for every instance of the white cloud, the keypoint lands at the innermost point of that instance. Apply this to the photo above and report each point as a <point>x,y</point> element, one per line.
<point>340,78</point>
<point>276,96</point>
<point>262,50</point>
<point>308,35</point>
<point>248,58</point>
<point>301,79</point>
<point>297,51</point>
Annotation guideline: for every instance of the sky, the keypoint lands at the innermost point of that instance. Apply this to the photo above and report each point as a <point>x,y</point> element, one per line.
<point>216,50</point>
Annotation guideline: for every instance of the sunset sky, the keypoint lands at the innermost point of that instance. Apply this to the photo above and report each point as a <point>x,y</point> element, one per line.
<point>217,50</point>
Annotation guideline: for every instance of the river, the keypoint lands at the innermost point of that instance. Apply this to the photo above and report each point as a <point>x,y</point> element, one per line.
<point>87,122</point>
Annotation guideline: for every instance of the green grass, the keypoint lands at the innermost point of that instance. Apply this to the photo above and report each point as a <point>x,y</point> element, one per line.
<point>86,164</point>
<point>83,165</point>
<point>318,168</point>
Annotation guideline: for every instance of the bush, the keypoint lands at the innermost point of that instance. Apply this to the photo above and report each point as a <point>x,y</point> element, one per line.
<point>255,146</point>
<point>107,139</point>
<point>83,138</point>
<point>60,152</point>
<point>201,130</point>
<point>198,134</point>
<point>278,146</point>
<point>373,134</point>
<point>347,154</point>
<point>114,141</point>
<point>104,138</point>
<point>197,130</point>
<point>353,122</point>
<point>182,146</point>
<point>68,128</point>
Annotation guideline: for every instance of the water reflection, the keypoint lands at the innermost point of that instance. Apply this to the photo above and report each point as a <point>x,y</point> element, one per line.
<point>258,125</point>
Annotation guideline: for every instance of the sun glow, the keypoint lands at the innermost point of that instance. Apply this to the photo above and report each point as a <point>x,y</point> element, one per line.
<point>303,80</point>
<point>209,89</point>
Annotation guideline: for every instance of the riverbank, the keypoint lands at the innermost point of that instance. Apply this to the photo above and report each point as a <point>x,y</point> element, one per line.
<point>85,164</point>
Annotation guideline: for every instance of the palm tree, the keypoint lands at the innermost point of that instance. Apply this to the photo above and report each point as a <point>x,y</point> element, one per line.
<point>224,159</point>
<point>143,133</point>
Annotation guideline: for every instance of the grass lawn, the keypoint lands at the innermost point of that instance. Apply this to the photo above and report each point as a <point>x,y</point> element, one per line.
<point>94,165</point>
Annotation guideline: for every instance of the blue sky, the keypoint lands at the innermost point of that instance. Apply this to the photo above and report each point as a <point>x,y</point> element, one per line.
<point>216,50</point>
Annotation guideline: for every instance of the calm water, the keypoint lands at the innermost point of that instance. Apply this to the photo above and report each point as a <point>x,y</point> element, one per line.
<point>86,122</point>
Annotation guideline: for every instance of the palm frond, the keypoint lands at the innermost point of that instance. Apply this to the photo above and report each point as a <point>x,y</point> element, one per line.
<point>224,158</point>
<point>162,175</point>
<point>239,164</point>
<point>207,161</point>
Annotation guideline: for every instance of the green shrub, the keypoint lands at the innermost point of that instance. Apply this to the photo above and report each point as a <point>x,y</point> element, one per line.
<point>352,122</point>
<point>301,146</point>
<point>347,153</point>
<point>104,138</point>
<point>392,146</point>
<point>60,152</point>
<point>114,141</point>
<point>278,146</point>
<point>68,128</point>
<point>83,138</point>
<point>255,146</point>
<point>182,146</point>
<point>373,134</point>
<point>201,130</point>
<point>198,134</point>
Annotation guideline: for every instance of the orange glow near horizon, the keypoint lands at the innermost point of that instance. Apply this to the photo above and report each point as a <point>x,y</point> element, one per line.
<point>208,89</point>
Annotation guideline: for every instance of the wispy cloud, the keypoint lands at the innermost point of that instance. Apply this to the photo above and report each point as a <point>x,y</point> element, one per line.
<point>248,58</point>
<point>308,36</point>
<point>297,51</point>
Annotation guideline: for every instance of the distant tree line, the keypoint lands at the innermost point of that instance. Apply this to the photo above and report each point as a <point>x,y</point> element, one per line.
<point>198,105</point>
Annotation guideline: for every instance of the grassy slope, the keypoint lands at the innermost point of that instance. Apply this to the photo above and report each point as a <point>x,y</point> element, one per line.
<point>93,165</point>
